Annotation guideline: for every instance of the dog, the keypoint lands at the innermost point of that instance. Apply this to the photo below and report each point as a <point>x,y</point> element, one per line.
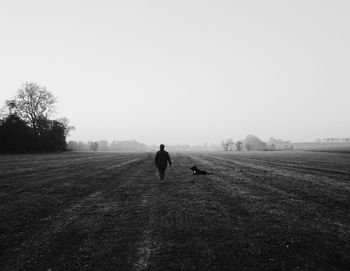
<point>196,171</point>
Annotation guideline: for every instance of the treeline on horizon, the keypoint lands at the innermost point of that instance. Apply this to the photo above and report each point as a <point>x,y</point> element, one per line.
<point>250,143</point>
<point>25,123</point>
<point>334,139</point>
<point>253,143</point>
<point>133,146</point>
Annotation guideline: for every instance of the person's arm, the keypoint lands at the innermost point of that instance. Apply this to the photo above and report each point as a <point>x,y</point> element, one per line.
<point>169,160</point>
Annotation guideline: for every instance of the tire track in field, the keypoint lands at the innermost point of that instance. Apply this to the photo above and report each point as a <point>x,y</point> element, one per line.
<point>286,200</point>
<point>45,179</point>
<point>243,217</point>
<point>242,196</point>
<point>295,184</point>
<point>45,166</point>
<point>147,244</point>
<point>72,215</point>
<point>238,184</point>
<point>316,180</point>
<point>183,212</point>
<point>295,165</point>
<point>294,157</point>
<point>296,212</point>
<point>55,187</point>
<point>319,190</point>
<point>29,161</point>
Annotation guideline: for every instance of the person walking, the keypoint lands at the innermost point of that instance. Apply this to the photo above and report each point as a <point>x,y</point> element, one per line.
<point>161,160</point>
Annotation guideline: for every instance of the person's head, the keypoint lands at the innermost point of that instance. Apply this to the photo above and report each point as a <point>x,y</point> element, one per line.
<point>161,146</point>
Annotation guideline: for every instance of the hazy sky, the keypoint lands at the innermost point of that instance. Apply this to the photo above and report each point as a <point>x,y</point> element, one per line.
<point>184,71</point>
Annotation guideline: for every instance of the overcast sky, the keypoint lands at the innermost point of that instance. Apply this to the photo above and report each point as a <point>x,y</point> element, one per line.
<point>184,71</point>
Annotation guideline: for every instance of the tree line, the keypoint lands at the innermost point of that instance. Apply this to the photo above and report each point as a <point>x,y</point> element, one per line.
<point>253,143</point>
<point>134,146</point>
<point>104,145</point>
<point>334,139</point>
<point>26,124</point>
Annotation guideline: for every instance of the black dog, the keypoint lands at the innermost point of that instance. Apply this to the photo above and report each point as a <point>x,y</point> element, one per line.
<point>196,171</point>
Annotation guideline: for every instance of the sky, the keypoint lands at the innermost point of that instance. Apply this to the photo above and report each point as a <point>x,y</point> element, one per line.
<point>184,72</point>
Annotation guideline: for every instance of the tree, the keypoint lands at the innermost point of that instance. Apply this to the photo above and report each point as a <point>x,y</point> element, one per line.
<point>11,105</point>
<point>72,145</point>
<point>26,126</point>
<point>227,144</point>
<point>224,145</point>
<point>248,146</point>
<point>67,127</point>
<point>239,145</point>
<point>52,135</point>
<point>103,145</point>
<point>15,135</point>
<point>94,146</point>
<point>128,146</point>
<point>32,103</point>
<point>253,143</point>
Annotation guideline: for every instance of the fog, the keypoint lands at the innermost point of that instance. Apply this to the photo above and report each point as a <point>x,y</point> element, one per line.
<point>184,72</point>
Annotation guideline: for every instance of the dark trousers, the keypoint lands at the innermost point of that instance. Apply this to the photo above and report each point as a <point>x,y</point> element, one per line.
<point>161,171</point>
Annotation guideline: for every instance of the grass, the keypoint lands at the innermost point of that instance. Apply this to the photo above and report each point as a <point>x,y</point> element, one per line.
<point>108,211</point>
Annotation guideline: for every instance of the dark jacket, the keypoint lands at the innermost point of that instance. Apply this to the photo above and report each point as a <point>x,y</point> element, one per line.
<point>162,158</point>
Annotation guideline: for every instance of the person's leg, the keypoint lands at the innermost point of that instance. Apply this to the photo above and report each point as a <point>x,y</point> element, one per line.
<point>161,173</point>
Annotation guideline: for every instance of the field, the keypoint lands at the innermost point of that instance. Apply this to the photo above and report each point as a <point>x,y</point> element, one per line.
<point>107,211</point>
<point>340,147</point>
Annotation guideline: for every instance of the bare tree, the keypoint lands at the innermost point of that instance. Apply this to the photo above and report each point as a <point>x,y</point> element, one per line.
<point>248,146</point>
<point>227,144</point>
<point>33,103</point>
<point>67,128</point>
<point>94,146</point>
<point>11,105</point>
<point>239,145</point>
